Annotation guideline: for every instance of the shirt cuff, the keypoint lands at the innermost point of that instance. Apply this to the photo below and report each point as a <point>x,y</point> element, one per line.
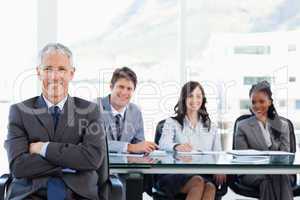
<point>125,148</point>
<point>68,170</point>
<point>44,149</point>
<point>174,146</point>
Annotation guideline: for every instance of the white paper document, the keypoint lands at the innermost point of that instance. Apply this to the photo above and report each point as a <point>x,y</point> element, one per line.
<point>198,152</point>
<point>127,154</point>
<point>251,159</point>
<point>189,152</point>
<point>156,153</point>
<point>252,152</point>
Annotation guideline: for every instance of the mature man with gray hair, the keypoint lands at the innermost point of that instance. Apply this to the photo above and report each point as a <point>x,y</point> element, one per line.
<point>55,142</point>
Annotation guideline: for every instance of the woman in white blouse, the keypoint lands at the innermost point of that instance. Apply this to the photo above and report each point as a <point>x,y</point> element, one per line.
<point>189,130</point>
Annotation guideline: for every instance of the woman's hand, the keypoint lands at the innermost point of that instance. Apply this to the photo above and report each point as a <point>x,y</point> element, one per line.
<point>220,179</point>
<point>184,147</point>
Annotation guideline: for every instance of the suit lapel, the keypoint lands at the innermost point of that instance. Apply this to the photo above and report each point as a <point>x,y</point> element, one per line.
<point>256,130</point>
<point>127,129</point>
<point>41,112</point>
<point>111,125</point>
<point>66,118</point>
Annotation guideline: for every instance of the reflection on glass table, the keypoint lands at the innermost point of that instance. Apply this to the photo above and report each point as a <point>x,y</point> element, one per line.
<point>219,162</point>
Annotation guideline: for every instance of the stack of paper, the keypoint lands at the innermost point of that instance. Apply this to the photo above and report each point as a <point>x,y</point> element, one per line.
<point>252,152</point>
<point>251,159</point>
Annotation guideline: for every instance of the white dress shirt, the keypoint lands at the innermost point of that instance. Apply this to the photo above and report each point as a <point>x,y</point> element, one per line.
<point>115,112</point>
<point>49,105</point>
<point>199,137</point>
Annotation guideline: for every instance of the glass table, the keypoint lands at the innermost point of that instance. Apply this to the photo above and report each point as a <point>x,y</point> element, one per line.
<point>137,166</point>
<point>212,163</point>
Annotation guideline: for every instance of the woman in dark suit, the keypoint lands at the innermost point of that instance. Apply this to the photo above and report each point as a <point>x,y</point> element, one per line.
<point>265,131</point>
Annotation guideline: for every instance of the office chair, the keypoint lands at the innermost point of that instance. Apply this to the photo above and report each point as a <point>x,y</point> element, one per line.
<point>110,187</point>
<point>158,194</point>
<point>253,192</point>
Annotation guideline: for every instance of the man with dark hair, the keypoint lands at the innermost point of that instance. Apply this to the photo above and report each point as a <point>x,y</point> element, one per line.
<point>123,120</point>
<point>55,142</point>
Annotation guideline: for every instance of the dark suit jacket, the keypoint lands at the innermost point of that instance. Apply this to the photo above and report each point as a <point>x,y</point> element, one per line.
<point>78,143</point>
<point>132,130</point>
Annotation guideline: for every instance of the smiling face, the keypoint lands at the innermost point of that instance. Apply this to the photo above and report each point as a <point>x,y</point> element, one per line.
<point>55,72</point>
<point>260,103</point>
<point>194,100</point>
<point>121,93</point>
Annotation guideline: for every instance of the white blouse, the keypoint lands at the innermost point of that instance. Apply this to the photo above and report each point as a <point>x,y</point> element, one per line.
<point>198,137</point>
<point>266,133</point>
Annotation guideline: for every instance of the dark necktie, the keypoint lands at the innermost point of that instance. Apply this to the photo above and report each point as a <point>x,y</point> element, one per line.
<point>55,186</point>
<point>56,189</point>
<point>118,118</point>
<point>55,113</point>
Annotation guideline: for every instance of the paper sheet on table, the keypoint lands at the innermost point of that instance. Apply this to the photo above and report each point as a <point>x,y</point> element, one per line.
<point>198,152</point>
<point>252,152</point>
<point>251,159</point>
<point>189,153</point>
<point>127,154</point>
<point>158,153</point>
<point>194,152</point>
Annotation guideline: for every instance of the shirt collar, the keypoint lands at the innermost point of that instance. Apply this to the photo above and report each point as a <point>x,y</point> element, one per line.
<point>59,104</point>
<point>262,125</point>
<point>189,123</point>
<point>115,112</point>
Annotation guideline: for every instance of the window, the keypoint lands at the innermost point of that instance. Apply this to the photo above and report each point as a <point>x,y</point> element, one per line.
<point>282,103</point>
<point>227,40</point>
<point>292,47</point>
<point>292,79</point>
<point>225,45</point>
<point>244,104</point>
<point>252,49</point>
<point>253,80</point>
<point>18,50</point>
<point>297,104</point>
<point>139,34</point>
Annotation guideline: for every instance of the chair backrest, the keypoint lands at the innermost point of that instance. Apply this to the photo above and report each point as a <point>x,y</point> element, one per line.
<point>158,131</point>
<point>291,129</point>
<point>240,118</point>
<point>103,174</point>
<point>292,134</point>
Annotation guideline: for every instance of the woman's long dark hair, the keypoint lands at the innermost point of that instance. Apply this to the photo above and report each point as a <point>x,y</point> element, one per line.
<point>264,87</point>
<point>181,110</point>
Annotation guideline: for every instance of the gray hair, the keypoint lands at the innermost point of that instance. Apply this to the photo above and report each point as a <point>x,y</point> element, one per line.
<point>57,47</point>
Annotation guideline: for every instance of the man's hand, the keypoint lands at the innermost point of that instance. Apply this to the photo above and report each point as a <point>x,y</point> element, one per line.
<point>184,147</point>
<point>220,179</point>
<point>36,147</point>
<point>142,147</point>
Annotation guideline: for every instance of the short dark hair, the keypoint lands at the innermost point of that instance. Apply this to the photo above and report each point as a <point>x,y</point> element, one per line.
<point>124,72</point>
